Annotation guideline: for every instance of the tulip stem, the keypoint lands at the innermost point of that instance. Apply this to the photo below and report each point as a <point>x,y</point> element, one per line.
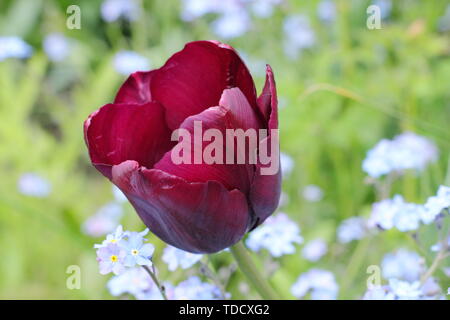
<point>249,269</point>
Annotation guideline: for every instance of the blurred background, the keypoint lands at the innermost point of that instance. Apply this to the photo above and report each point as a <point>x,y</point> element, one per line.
<point>342,88</point>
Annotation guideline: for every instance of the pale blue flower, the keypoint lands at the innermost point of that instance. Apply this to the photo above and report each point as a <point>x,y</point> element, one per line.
<point>127,62</point>
<point>175,258</point>
<point>14,47</point>
<point>287,164</point>
<point>405,151</point>
<point>312,193</point>
<point>383,212</point>
<point>194,289</point>
<point>105,220</point>
<point>408,217</point>
<point>320,283</point>
<point>56,46</point>
<point>379,293</point>
<point>33,185</point>
<point>263,8</point>
<point>404,290</point>
<point>111,259</point>
<point>231,24</point>
<point>119,196</point>
<point>112,10</point>
<point>298,35</point>
<point>114,237</point>
<point>193,9</point>
<point>402,264</point>
<point>314,250</point>
<point>353,228</point>
<point>133,281</point>
<point>153,292</point>
<point>444,21</point>
<point>437,247</point>
<point>278,234</point>
<point>136,251</point>
<point>436,204</point>
<point>385,7</point>
<point>326,11</point>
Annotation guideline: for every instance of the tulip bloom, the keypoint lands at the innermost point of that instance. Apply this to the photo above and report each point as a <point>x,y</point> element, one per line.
<point>200,208</point>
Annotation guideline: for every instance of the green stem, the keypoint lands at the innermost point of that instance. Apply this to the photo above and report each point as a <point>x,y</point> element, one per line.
<point>155,280</point>
<point>249,269</point>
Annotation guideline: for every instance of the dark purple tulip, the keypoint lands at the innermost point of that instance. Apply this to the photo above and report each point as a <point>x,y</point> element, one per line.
<point>199,208</point>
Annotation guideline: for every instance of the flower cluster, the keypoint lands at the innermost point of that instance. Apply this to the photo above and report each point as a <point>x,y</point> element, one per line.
<point>124,249</point>
<point>405,216</point>
<point>278,235</point>
<point>405,151</point>
<point>403,270</point>
<point>321,284</point>
<point>233,17</point>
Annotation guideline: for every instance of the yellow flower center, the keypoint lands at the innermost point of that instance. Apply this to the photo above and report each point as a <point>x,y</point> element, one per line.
<point>134,252</point>
<point>113,258</point>
<point>113,241</point>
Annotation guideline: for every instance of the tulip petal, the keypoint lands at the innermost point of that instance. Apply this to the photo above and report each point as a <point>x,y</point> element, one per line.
<point>119,132</point>
<point>232,176</point>
<point>268,97</point>
<point>195,217</point>
<point>193,79</point>
<point>266,189</point>
<point>136,89</point>
<point>234,100</point>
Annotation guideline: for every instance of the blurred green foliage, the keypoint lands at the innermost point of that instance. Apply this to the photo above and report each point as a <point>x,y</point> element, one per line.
<point>338,99</point>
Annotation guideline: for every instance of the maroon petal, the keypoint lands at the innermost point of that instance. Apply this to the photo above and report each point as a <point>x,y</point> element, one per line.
<point>232,176</point>
<point>193,79</point>
<point>119,132</point>
<point>265,190</point>
<point>196,217</point>
<point>136,89</point>
<point>268,96</point>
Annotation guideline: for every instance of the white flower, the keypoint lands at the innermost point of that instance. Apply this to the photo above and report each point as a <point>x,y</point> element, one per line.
<point>126,62</point>
<point>113,10</point>
<point>320,283</point>
<point>175,258</point>
<point>14,47</point>
<point>105,220</point>
<point>56,46</point>
<point>33,185</point>
<point>314,250</point>
<point>312,193</point>
<point>278,234</point>
<point>403,264</point>
<point>353,228</point>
